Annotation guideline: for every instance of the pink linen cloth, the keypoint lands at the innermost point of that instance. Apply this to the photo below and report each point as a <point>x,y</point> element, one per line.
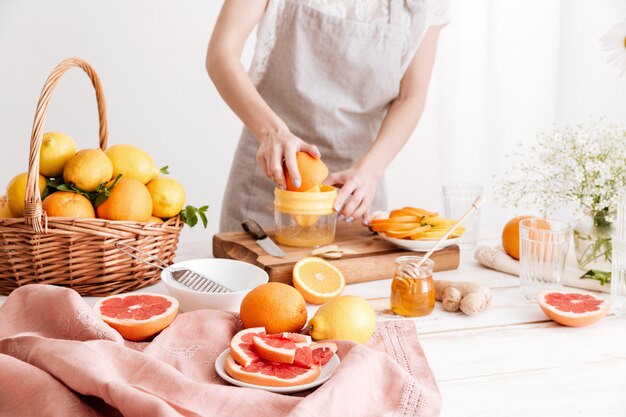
<point>57,358</point>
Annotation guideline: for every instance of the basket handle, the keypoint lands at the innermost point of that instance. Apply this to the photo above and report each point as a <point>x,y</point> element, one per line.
<point>33,213</point>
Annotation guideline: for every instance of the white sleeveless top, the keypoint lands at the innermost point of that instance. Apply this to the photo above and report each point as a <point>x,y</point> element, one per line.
<point>437,11</point>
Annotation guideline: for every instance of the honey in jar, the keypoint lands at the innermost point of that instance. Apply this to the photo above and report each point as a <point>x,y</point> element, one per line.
<point>412,287</point>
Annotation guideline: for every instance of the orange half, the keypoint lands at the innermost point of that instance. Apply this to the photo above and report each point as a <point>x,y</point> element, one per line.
<point>317,280</point>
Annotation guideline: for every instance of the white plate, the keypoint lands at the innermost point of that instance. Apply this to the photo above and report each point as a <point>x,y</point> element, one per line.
<point>326,372</point>
<point>422,245</point>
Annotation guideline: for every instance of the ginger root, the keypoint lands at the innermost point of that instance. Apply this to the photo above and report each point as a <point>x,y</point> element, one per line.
<point>470,297</point>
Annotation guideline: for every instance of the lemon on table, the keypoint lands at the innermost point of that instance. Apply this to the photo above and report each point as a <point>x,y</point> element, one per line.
<point>16,190</point>
<point>129,200</point>
<point>317,280</point>
<point>56,149</point>
<point>347,317</point>
<point>168,197</point>
<point>88,169</point>
<point>132,162</point>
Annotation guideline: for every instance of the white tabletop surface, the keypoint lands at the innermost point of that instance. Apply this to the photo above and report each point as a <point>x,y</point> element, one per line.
<point>510,360</point>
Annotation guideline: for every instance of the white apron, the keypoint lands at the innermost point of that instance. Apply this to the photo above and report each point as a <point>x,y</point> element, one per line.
<point>331,81</point>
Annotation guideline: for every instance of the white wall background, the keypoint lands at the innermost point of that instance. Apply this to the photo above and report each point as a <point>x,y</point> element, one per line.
<point>506,70</point>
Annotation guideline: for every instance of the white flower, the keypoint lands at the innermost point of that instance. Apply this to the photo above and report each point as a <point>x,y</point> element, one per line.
<point>584,164</point>
<point>615,41</point>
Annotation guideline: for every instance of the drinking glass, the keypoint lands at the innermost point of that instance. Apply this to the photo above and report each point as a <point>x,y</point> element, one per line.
<point>457,198</point>
<point>543,249</point>
<point>618,268</point>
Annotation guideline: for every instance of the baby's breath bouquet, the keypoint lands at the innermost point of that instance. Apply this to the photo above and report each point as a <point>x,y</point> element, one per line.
<point>584,165</point>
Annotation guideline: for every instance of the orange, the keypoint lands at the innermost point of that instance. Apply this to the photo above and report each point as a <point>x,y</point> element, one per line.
<point>510,236</point>
<point>129,200</point>
<point>277,307</point>
<point>317,280</point>
<point>154,219</point>
<point>312,172</point>
<point>571,308</point>
<point>137,316</point>
<point>67,204</point>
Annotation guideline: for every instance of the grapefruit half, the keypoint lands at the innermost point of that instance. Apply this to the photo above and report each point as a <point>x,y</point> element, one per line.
<point>137,316</point>
<point>574,309</point>
<point>271,374</point>
<point>242,346</point>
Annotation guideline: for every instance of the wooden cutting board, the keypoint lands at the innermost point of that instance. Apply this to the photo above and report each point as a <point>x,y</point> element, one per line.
<point>373,258</point>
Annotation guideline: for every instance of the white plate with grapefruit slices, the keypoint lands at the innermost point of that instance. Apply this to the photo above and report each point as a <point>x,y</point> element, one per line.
<point>325,373</point>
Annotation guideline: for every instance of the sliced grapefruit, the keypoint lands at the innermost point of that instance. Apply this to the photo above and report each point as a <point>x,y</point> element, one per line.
<point>322,352</point>
<point>573,308</point>
<point>241,346</point>
<point>137,316</point>
<point>289,348</point>
<point>271,374</point>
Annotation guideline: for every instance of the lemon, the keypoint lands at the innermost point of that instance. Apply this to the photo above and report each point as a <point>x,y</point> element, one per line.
<point>16,190</point>
<point>5,211</point>
<point>168,197</point>
<point>132,162</point>
<point>88,169</point>
<point>347,317</point>
<point>56,149</point>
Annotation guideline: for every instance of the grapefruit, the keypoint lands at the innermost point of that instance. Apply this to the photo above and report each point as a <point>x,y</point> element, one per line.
<point>241,346</point>
<point>322,352</point>
<point>272,374</point>
<point>137,317</point>
<point>573,308</point>
<point>289,348</point>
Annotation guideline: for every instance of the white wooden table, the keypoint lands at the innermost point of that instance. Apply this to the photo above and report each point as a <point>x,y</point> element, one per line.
<point>510,360</point>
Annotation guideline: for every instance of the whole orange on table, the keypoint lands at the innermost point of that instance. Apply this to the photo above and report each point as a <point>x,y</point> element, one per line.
<point>511,235</point>
<point>277,307</point>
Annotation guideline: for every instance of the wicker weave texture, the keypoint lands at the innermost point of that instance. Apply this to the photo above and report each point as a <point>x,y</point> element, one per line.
<point>77,253</point>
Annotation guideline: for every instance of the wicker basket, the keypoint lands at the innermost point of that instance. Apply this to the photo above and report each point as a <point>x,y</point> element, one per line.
<point>77,253</point>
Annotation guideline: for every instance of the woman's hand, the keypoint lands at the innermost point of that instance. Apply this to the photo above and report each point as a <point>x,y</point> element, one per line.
<point>358,187</point>
<point>280,146</point>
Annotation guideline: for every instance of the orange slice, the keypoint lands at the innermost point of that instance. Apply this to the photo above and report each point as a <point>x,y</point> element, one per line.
<point>407,233</point>
<point>317,280</point>
<point>418,211</point>
<point>397,227</point>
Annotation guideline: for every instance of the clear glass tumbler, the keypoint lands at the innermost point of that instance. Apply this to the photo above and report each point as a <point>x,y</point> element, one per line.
<point>412,287</point>
<point>618,273</point>
<point>543,249</point>
<point>457,198</point>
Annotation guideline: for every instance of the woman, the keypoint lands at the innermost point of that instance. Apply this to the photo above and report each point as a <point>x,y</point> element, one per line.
<point>345,80</point>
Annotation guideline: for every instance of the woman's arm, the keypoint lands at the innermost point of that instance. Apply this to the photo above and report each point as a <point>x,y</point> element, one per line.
<point>236,21</point>
<point>359,182</point>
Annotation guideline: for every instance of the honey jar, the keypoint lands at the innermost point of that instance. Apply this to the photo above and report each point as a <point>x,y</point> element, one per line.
<point>412,287</point>
<point>305,219</point>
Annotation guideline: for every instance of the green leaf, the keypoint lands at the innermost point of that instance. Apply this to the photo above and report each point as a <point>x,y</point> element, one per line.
<point>165,170</point>
<point>600,276</point>
<point>189,215</point>
<point>103,192</point>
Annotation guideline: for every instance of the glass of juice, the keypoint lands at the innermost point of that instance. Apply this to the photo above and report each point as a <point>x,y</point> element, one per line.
<point>412,287</point>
